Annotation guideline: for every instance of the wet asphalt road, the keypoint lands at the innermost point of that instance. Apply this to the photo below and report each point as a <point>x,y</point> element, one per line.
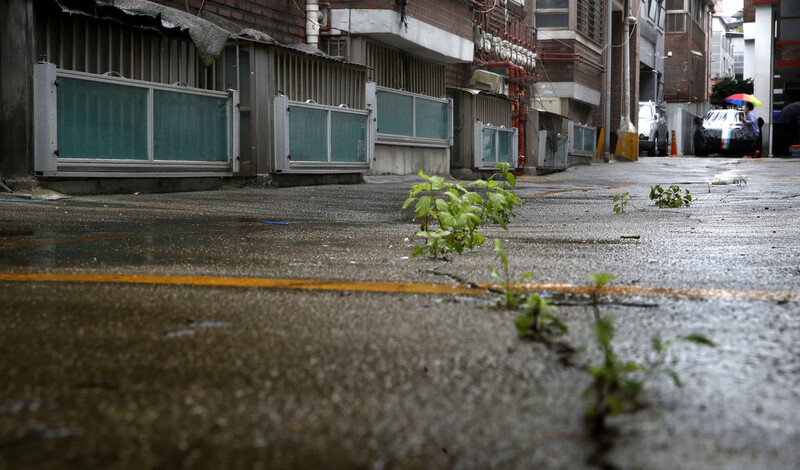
<point>115,371</point>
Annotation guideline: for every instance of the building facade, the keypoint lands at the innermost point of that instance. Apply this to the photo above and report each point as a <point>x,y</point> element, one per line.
<point>772,59</point>
<point>171,91</point>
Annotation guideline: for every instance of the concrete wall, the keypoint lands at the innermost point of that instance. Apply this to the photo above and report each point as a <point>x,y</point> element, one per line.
<point>680,118</point>
<point>763,75</point>
<point>400,160</point>
<point>16,88</point>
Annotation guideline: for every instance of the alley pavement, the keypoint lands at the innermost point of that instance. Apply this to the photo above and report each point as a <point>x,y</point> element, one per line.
<point>292,328</point>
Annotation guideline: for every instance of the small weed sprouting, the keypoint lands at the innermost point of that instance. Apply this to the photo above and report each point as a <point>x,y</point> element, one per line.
<point>512,298</point>
<point>669,197</point>
<point>452,215</point>
<point>599,280</point>
<point>537,318</point>
<point>620,201</point>
<point>617,385</point>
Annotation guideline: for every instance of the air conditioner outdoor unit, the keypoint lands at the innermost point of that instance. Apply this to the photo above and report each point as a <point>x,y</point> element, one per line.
<point>488,81</point>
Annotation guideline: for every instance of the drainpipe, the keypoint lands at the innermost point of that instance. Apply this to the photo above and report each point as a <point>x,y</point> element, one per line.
<point>312,22</point>
<point>625,124</point>
<point>607,113</point>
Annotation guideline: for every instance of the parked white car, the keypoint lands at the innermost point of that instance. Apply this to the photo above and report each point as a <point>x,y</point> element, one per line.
<point>653,129</point>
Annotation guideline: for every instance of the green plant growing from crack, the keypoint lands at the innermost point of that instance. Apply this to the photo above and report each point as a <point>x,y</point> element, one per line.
<point>537,319</point>
<point>670,197</point>
<point>620,201</point>
<point>512,297</point>
<point>451,214</point>
<point>617,385</point>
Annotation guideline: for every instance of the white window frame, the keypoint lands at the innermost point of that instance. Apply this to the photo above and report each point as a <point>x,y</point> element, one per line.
<point>283,160</point>
<point>45,144</point>
<point>481,162</point>
<point>411,141</point>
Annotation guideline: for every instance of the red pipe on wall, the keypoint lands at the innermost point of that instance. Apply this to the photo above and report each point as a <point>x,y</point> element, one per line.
<point>517,78</point>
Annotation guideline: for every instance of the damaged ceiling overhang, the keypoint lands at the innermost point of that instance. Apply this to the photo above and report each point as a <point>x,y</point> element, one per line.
<point>209,34</point>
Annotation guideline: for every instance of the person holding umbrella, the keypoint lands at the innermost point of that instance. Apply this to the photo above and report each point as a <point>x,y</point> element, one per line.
<point>749,102</point>
<point>752,123</point>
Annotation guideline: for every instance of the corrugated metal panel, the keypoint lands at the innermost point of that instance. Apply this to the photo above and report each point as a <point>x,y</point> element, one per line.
<point>493,110</point>
<point>84,44</point>
<point>303,77</point>
<point>392,68</point>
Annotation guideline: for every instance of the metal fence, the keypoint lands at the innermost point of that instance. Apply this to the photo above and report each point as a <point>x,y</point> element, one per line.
<point>392,68</point>
<point>83,44</point>
<point>302,77</point>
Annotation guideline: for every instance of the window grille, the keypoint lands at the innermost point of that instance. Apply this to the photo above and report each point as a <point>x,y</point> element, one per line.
<point>494,145</point>
<point>90,124</point>
<point>590,20</point>
<point>676,23</point>
<point>392,68</point>
<point>311,137</point>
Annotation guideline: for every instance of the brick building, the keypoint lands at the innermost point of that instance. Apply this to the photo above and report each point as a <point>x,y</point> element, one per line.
<point>688,36</point>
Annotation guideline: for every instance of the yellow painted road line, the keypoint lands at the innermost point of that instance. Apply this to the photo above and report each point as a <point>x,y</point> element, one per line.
<point>398,287</point>
<point>303,284</point>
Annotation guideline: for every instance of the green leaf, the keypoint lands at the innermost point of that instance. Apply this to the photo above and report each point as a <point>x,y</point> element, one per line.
<point>601,279</point>
<point>423,207</point>
<point>523,323</point>
<point>558,323</point>
<point>614,404</point>
<point>658,345</point>
<point>418,251</point>
<point>498,247</point>
<point>674,376</point>
<point>478,239</point>
<point>498,200</point>
<point>697,338</point>
<point>512,180</point>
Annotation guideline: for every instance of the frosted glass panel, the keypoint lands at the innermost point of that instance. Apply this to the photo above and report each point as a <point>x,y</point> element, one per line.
<point>308,134</point>
<point>395,114</point>
<point>489,145</point>
<point>189,127</point>
<point>505,147</point>
<point>432,119</point>
<point>588,140</point>
<point>348,137</point>
<point>101,120</point>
